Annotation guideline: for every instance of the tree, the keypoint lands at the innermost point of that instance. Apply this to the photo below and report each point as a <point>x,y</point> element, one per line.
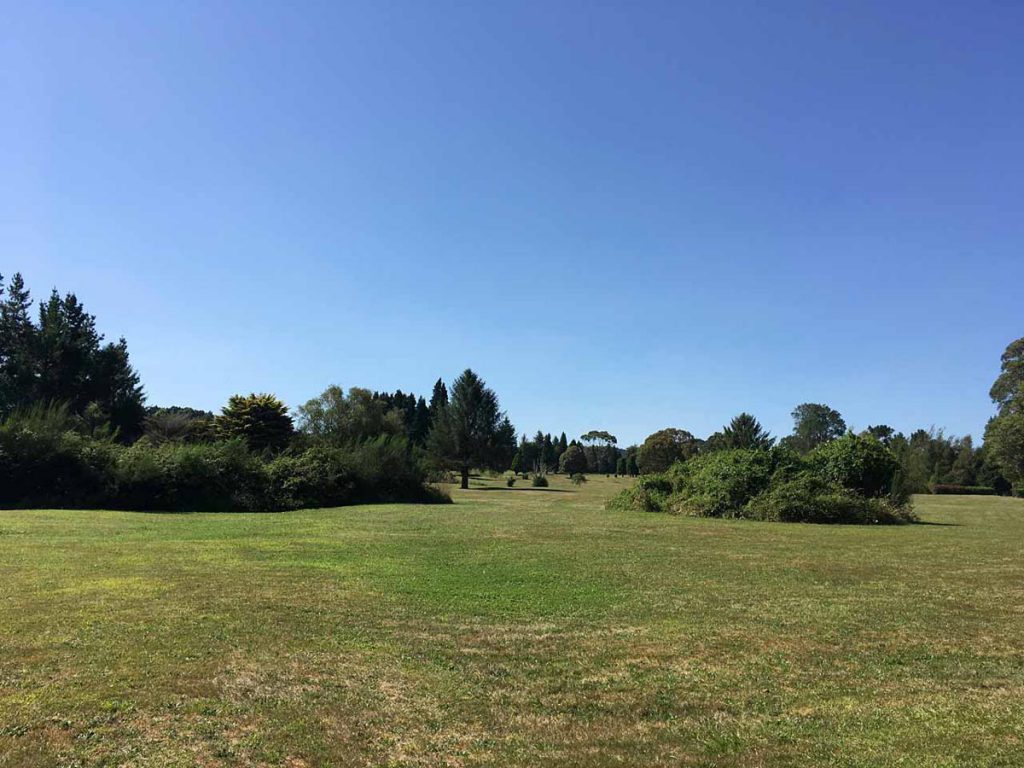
<point>664,448</point>
<point>573,461</point>
<point>438,401</point>
<point>632,466</point>
<point>117,392</point>
<point>883,433</point>
<point>1008,389</point>
<point>262,421</point>
<point>471,430</point>
<point>1004,435</point>
<point>420,426</point>
<point>744,431</point>
<point>814,424</point>
<point>338,418</point>
<point>1004,445</point>
<point>18,341</point>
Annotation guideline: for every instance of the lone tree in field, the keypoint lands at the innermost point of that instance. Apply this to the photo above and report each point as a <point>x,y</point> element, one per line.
<point>744,431</point>
<point>262,421</point>
<point>814,424</point>
<point>471,430</point>
<point>573,461</point>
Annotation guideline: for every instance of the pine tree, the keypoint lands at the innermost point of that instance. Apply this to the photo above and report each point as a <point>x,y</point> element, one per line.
<point>18,347</point>
<point>472,431</point>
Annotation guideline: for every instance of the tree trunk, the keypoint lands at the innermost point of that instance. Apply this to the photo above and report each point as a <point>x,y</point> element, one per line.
<point>465,478</point>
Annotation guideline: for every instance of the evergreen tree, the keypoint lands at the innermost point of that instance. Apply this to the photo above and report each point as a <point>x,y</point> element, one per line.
<point>420,423</point>
<point>262,421</point>
<point>18,342</point>
<point>744,431</point>
<point>438,401</point>
<point>472,431</point>
<point>117,392</point>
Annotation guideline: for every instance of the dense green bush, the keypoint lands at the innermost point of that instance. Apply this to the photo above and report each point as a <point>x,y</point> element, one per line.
<point>719,484</point>
<point>539,481</point>
<point>43,464</point>
<point>214,477</point>
<point>774,484</point>
<point>963,490</point>
<point>648,494</point>
<point>858,463</point>
<point>809,498</point>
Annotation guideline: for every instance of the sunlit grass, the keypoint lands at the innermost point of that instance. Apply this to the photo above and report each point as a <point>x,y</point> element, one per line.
<point>515,627</point>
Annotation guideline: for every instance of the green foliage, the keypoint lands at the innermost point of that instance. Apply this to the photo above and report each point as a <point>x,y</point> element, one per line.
<point>573,461</point>
<point>510,481</point>
<point>648,494</point>
<point>810,498</point>
<point>744,431</point>
<point>215,477</point>
<point>471,430</point>
<point>44,463</point>
<point>261,421</point>
<point>338,419</point>
<point>857,463</point>
<point>178,424</point>
<point>578,479</point>
<point>719,484</point>
<point>61,358</point>
<point>813,425</point>
<point>1004,444</point>
<point>775,485</point>
<point>539,481</point>
<point>1008,389</point>
<point>664,448</point>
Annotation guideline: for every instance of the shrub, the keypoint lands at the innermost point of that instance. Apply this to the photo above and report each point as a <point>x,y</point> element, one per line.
<point>963,490</point>
<point>857,463</point>
<point>539,481</point>
<point>774,484</point>
<point>808,498</point>
<point>510,481</point>
<point>720,484</point>
<point>44,464</point>
<point>647,494</point>
<point>214,477</point>
<point>578,479</point>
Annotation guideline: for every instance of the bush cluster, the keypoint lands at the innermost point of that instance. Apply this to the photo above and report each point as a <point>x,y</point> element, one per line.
<point>850,480</point>
<point>42,464</point>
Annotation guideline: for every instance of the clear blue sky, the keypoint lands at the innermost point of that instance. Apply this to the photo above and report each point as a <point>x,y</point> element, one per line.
<point>623,215</point>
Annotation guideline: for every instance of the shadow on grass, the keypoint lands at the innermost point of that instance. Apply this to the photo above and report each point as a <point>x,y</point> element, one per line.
<point>530,489</point>
<point>930,522</point>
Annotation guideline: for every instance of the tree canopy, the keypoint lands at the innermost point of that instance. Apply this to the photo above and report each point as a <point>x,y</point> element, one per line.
<point>471,430</point>
<point>814,424</point>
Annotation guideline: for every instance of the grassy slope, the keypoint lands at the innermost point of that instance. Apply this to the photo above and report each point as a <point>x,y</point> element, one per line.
<point>513,628</point>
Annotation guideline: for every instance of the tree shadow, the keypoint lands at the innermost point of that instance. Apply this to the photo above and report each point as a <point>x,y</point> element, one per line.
<point>527,490</point>
<point>942,525</point>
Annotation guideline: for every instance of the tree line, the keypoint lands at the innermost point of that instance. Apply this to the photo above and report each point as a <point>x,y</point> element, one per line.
<point>55,362</point>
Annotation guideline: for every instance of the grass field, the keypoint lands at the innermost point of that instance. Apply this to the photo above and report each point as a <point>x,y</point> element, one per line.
<point>513,628</point>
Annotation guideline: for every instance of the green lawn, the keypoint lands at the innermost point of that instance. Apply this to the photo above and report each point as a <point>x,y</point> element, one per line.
<point>513,628</point>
